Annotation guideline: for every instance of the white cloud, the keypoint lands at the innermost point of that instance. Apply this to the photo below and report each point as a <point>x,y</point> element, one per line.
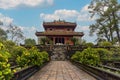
<point>74,15</point>
<point>29,32</point>
<point>82,28</point>
<point>85,28</point>
<point>50,2</point>
<point>60,14</point>
<point>5,19</point>
<point>85,8</point>
<point>7,4</point>
<point>66,13</point>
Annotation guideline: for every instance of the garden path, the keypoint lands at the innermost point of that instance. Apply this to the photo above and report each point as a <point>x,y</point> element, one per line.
<point>61,70</point>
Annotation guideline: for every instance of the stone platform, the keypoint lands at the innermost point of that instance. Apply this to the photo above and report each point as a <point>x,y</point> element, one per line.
<point>61,70</point>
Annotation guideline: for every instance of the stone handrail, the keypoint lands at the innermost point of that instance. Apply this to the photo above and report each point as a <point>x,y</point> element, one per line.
<point>25,73</point>
<point>99,74</point>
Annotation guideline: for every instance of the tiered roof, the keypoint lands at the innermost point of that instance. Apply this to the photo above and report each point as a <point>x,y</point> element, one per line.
<point>59,23</point>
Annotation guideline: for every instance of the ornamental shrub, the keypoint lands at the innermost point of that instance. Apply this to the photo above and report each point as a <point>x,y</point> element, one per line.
<point>35,56</point>
<point>88,56</point>
<point>45,56</point>
<point>5,70</point>
<point>105,44</point>
<point>32,57</point>
<point>89,44</point>
<point>17,51</point>
<point>76,56</point>
<point>104,54</point>
<point>23,60</point>
<point>115,53</point>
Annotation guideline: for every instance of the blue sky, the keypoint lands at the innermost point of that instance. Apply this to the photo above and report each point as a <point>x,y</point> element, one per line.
<point>30,14</point>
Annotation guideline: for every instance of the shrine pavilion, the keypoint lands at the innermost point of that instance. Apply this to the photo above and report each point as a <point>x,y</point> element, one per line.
<point>59,32</point>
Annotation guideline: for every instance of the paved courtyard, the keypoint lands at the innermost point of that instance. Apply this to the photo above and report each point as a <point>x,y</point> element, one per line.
<point>61,70</point>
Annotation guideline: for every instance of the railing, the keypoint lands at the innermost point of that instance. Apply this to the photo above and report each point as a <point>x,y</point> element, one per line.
<point>82,47</point>
<point>110,68</point>
<point>69,47</point>
<point>25,73</point>
<point>98,73</point>
<point>113,63</point>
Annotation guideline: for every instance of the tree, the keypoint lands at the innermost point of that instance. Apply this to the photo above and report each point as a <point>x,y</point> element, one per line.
<point>104,43</point>
<point>15,34</point>
<point>3,35</point>
<point>74,40</point>
<point>46,41</point>
<point>43,41</point>
<point>89,44</point>
<point>30,42</point>
<point>107,22</point>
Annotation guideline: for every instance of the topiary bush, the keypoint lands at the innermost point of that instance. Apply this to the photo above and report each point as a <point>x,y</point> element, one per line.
<point>5,70</point>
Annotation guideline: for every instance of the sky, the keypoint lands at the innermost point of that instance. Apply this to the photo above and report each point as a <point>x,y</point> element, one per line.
<point>30,14</point>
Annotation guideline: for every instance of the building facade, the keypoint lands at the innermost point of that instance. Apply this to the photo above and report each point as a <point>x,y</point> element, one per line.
<point>59,32</point>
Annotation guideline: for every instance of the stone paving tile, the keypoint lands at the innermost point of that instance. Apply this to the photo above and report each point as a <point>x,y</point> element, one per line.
<point>61,70</point>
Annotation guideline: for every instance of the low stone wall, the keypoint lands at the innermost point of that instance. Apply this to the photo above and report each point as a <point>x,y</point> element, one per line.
<point>99,74</point>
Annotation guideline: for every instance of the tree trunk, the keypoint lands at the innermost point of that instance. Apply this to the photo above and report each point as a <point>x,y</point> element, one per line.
<point>111,31</point>
<point>116,27</point>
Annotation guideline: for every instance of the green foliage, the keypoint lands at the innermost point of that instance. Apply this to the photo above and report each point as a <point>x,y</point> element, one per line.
<point>77,56</point>
<point>17,51</point>
<point>89,44</point>
<point>30,42</point>
<point>107,22</point>
<point>74,40</point>
<point>45,56</point>
<point>105,44</point>
<point>104,54</point>
<point>43,41</point>
<point>32,57</point>
<point>115,53</point>
<point>88,56</point>
<point>5,70</point>
<point>82,42</point>
<point>9,45</point>
<point>3,35</point>
<point>46,40</point>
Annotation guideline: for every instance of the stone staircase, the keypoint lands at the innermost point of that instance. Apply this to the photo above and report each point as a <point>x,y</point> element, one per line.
<point>58,53</point>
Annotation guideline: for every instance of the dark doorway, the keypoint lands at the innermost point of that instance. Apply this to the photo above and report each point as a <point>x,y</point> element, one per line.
<point>59,40</point>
